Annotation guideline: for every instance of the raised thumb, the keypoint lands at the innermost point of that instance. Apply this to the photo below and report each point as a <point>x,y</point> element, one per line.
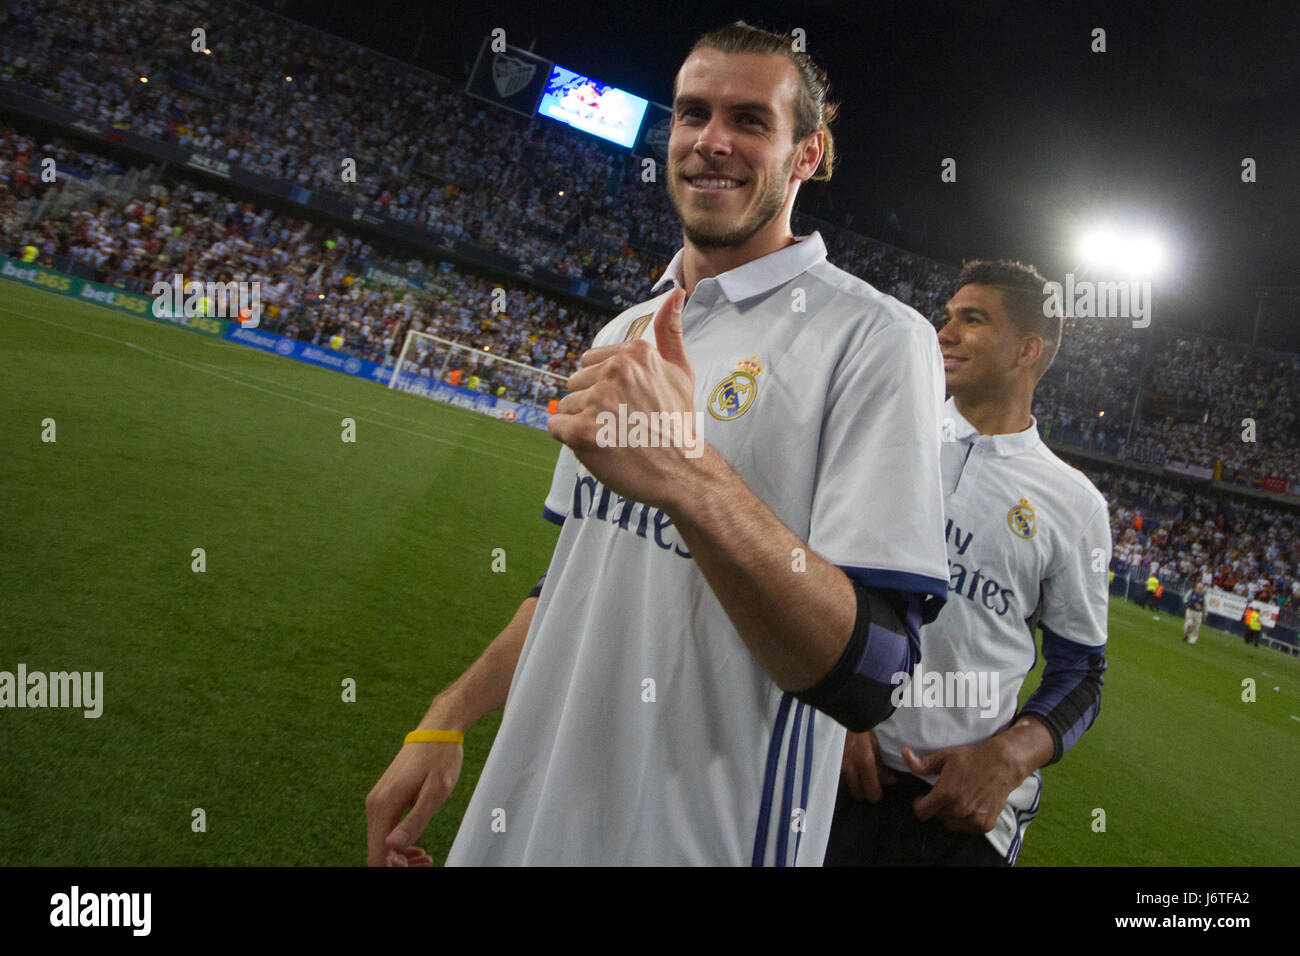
<point>668,330</point>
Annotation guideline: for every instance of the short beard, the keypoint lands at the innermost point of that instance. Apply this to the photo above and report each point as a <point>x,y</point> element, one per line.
<point>769,207</point>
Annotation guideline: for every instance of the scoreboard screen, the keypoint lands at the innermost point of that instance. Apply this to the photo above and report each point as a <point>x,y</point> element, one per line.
<point>592,107</point>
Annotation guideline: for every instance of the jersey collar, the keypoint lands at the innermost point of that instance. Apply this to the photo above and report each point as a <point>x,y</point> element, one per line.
<point>1013,443</point>
<point>759,276</point>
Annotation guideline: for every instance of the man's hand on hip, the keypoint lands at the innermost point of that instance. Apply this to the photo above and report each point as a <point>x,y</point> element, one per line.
<point>862,769</point>
<point>973,786</point>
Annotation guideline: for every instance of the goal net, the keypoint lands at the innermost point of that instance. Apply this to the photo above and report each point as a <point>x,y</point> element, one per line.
<point>476,379</point>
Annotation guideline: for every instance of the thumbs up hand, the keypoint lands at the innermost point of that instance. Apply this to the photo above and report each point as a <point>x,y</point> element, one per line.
<point>630,414</point>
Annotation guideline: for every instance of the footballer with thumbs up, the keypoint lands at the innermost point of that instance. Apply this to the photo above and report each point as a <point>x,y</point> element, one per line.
<point>710,623</point>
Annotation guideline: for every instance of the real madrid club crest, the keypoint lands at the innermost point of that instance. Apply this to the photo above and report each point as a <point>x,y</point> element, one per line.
<point>1022,521</point>
<point>732,396</point>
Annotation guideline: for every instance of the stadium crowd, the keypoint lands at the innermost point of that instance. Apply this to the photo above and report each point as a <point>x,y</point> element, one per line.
<point>307,288</point>
<point>1194,397</point>
<point>1182,536</point>
<point>532,190</point>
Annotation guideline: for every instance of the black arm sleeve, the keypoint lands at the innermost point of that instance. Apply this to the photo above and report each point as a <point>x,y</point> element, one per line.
<point>1069,697</point>
<point>537,588</point>
<point>886,643</point>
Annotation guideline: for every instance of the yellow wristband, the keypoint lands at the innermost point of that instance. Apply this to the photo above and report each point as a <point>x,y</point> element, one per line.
<point>434,737</point>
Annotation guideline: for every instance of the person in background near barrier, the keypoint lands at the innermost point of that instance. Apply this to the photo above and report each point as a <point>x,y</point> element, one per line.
<point>1253,626</point>
<point>1194,613</point>
<point>1153,584</point>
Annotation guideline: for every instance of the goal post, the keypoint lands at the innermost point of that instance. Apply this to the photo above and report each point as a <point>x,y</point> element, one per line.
<point>428,365</point>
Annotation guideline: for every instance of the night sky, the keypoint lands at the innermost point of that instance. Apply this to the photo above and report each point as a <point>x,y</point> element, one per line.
<point>1049,137</point>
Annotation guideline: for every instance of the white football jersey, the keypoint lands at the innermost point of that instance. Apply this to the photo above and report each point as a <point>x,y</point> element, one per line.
<point>1028,536</point>
<point>639,729</point>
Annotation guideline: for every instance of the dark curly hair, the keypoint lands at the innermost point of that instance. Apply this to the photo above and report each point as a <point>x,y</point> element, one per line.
<point>1023,297</point>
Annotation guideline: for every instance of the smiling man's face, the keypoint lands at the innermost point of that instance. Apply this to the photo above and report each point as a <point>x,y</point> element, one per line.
<point>982,348</point>
<point>731,154</point>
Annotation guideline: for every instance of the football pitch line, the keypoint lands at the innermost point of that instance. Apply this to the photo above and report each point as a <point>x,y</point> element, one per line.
<point>220,372</point>
<point>547,464</point>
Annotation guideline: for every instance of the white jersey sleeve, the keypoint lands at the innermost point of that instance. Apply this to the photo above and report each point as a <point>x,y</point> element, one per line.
<point>1075,600</point>
<point>558,499</point>
<point>881,435</point>
<point>1076,590</point>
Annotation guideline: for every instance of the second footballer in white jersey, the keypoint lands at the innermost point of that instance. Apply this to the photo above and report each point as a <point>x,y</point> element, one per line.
<point>1028,540</point>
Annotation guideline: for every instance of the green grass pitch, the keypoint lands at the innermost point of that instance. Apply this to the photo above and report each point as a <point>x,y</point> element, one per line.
<point>371,560</point>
